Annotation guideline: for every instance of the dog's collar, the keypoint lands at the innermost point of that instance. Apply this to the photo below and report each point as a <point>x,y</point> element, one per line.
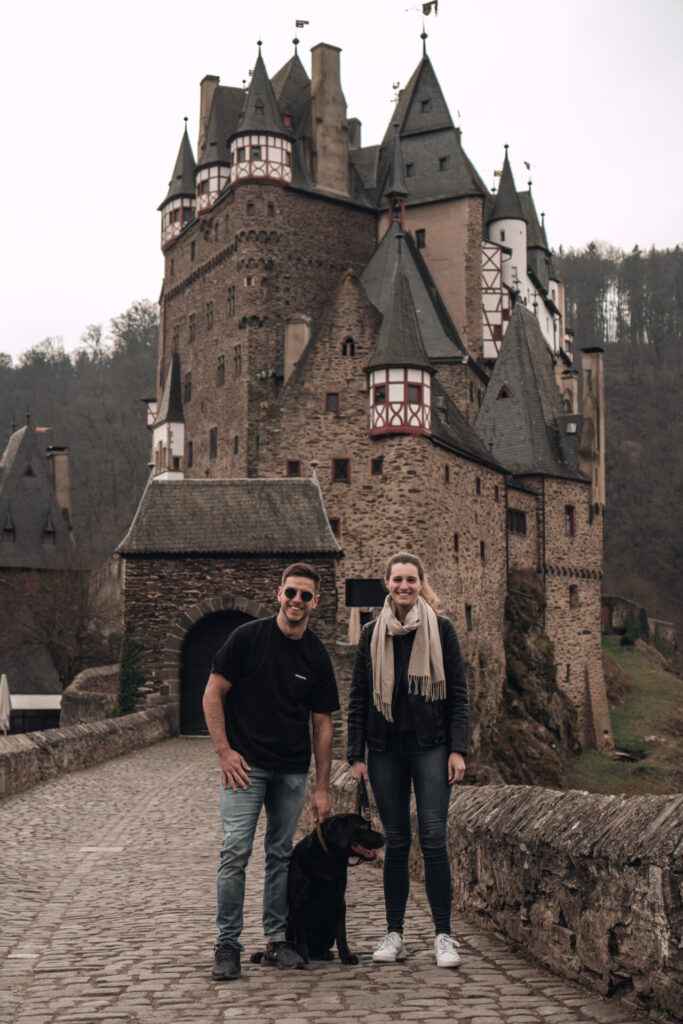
<point>322,842</point>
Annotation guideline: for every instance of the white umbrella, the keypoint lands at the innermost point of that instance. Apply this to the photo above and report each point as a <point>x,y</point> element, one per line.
<point>5,704</point>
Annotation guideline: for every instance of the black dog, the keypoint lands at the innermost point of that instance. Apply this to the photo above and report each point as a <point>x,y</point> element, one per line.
<point>316,885</point>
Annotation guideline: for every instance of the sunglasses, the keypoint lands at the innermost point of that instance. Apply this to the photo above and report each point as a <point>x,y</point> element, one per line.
<point>291,592</point>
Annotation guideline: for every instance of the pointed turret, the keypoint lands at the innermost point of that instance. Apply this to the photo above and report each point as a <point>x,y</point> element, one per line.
<point>397,190</point>
<point>168,430</point>
<point>400,371</point>
<point>507,226</point>
<point>177,209</point>
<point>261,147</point>
<point>213,169</point>
<point>537,246</point>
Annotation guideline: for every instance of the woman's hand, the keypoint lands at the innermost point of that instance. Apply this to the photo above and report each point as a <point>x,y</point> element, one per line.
<point>456,768</point>
<point>359,771</point>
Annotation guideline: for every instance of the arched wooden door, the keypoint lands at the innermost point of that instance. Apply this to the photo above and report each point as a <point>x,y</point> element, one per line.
<point>201,643</point>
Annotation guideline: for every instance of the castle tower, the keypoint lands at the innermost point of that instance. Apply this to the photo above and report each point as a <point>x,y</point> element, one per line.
<point>261,148</point>
<point>177,209</point>
<point>213,168</point>
<point>508,227</point>
<point>400,371</point>
<point>168,429</point>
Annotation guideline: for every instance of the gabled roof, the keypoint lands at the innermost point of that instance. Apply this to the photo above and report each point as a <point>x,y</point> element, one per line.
<point>171,404</point>
<point>260,96</point>
<point>400,342</point>
<point>28,502</point>
<point>507,205</point>
<point>182,179</point>
<point>439,335</point>
<point>282,516</point>
<point>225,111</point>
<point>450,428</point>
<point>521,416</point>
<point>292,88</point>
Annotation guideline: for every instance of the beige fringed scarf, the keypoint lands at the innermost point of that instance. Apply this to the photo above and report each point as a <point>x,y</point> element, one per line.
<point>426,674</point>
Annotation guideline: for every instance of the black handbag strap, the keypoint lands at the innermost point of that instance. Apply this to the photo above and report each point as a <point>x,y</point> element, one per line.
<point>362,801</point>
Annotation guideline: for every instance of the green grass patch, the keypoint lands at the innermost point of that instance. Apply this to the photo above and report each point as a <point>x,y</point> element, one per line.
<point>649,726</point>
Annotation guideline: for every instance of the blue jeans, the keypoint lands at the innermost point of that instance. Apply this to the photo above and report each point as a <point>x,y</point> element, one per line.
<point>282,794</point>
<point>391,773</point>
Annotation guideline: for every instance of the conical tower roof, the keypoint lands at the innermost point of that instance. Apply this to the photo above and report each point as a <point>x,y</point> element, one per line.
<point>292,89</point>
<point>507,205</point>
<point>400,342</point>
<point>216,149</point>
<point>261,112</point>
<point>171,404</point>
<point>182,179</point>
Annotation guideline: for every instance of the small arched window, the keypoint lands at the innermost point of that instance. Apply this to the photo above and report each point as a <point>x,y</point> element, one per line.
<point>348,347</point>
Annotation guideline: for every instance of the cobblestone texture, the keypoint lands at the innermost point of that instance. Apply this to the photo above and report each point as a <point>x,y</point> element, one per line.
<point>107,888</point>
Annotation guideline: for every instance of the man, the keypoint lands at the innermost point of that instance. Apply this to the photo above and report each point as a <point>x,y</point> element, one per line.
<point>266,680</point>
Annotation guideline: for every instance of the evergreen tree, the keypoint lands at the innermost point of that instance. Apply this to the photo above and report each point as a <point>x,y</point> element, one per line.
<point>130,673</point>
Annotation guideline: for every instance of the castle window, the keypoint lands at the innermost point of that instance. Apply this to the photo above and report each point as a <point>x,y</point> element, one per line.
<point>287,120</point>
<point>48,535</point>
<point>335,525</point>
<point>258,109</point>
<point>250,209</point>
<point>468,617</point>
<point>573,596</point>
<point>569,524</point>
<point>255,152</point>
<point>9,534</point>
<point>236,445</point>
<point>482,551</point>
<point>190,454</point>
<point>496,492</point>
<point>248,282</point>
<point>410,170</point>
<point>380,395</point>
<point>270,210</point>
<point>192,324</point>
<point>332,401</point>
<point>421,236</point>
<point>213,443</point>
<point>187,390</point>
<point>209,316</point>
<point>456,543</point>
<point>220,371</point>
<point>241,154</point>
<point>348,347</point>
<point>176,337</point>
<point>176,462</point>
<point>503,393</point>
<point>377,466</point>
<point>425,105</point>
<point>341,471</point>
<point>414,394</point>
<point>193,250</point>
<point>293,467</point>
<point>215,231</point>
<point>446,474</point>
<point>516,521</point>
<point>477,485</point>
<point>237,362</point>
<point>203,187</point>
<point>443,163</point>
<point>230,300</point>
<point>502,236</point>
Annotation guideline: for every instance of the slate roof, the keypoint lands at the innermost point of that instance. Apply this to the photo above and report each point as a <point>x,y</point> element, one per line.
<point>507,205</point>
<point>230,517</point>
<point>396,182</point>
<point>260,94</point>
<point>226,106</point>
<point>28,503</point>
<point>182,179</point>
<point>439,335</point>
<point>292,87</point>
<point>450,427</point>
<point>400,342</point>
<point>523,430</point>
<point>171,404</point>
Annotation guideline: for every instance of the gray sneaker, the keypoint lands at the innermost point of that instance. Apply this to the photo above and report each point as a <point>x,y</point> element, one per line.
<point>226,962</point>
<point>283,955</point>
<point>390,949</point>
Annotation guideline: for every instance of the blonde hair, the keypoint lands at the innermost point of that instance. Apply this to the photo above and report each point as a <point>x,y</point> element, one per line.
<point>406,557</point>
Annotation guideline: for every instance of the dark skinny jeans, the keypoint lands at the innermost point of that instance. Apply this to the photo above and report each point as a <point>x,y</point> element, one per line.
<point>391,773</point>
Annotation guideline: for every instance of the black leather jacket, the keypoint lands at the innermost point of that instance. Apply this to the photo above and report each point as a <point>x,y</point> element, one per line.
<point>439,721</point>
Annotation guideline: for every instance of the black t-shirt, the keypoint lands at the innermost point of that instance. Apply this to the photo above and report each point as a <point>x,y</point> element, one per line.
<point>276,683</point>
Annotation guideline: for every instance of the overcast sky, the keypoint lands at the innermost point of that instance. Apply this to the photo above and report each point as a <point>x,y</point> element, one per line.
<point>587,91</point>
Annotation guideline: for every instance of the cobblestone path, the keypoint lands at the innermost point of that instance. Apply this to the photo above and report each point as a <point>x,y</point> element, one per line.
<point>107,889</point>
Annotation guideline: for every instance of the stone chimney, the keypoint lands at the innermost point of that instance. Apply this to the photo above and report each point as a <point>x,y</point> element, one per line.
<point>297,336</point>
<point>58,468</point>
<point>354,126</point>
<point>329,127</point>
<point>207,88</point>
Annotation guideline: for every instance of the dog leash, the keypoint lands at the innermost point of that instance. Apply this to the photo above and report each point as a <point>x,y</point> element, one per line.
<point>362,801</point>
<point>319,833</point>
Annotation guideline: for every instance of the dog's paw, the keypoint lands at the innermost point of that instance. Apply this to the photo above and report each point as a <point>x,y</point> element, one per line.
<point>349,958</point>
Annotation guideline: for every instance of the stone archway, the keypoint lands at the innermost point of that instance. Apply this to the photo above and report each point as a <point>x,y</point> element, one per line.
<point>195,637</point>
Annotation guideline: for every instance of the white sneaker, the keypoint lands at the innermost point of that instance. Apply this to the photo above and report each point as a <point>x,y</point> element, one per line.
<point>446,951</point>
<point>390,949</point>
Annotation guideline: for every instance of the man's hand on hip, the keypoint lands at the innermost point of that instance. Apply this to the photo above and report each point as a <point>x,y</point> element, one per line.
<point>234,770</point>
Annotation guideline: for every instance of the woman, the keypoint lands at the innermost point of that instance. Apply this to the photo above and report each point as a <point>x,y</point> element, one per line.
<point>408,705</point>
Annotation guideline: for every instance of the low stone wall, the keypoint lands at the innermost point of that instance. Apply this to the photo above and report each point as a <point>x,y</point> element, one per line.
<point>591,885</point>
<point>32,757</point>
<point>90,697</point>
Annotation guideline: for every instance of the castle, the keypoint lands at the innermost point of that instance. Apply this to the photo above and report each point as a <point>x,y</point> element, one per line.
<point>361,349</point>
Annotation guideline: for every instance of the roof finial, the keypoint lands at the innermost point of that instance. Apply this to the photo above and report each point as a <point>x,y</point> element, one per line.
<point>185,119</point>
<point>423,37</point>
<point>314,467</point>
<point>296,43</point>
<point>259,43</point>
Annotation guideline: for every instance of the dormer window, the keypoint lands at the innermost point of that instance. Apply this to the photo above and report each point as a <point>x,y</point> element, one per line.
<point>425,105</point>
<point>287,120</point>
<point>48,535</point>
<point>410,170</point>
<point>9,534</point>
<point>443,163</point>
<point>258,109</point>
<point>29,472</point>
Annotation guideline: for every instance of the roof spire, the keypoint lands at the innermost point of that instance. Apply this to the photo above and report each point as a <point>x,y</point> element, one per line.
<point>296,43</point>
<point>423,37</point>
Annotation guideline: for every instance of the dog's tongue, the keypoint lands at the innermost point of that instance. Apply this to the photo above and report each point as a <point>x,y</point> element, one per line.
<point>361,851</point>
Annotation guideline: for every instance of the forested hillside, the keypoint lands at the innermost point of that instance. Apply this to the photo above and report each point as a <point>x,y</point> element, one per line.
<point>91,401</point>
<point>632,305</point>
